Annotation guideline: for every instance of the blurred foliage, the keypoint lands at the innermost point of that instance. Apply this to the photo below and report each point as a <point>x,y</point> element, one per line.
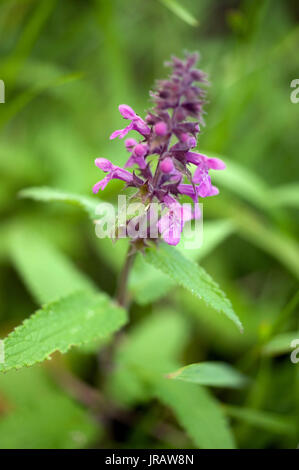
<point>66,67</point>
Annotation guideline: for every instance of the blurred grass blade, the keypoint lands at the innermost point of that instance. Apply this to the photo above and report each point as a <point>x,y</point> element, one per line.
<point>280,344</point>
<point>77,319</point>
<point>47,194</point>
<point>151,351</point>
<point>125,384</point>
<point>16,59</point>
<point>198,412</point>
<point>267,237</point>
<point>273,241</point>
<point>262,420</point>
<point>213,374</point>
<point>243,182</point>
<point>192,277</point>
<point>34,399</point>
<point>287,195</point>
<point>214,233</point>
<point>47,272</point>
<point>13,107</point>
<point>180,11</point>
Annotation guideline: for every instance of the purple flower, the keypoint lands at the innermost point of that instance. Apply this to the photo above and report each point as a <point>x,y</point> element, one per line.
<point>201,175</point>
<point>171,224</point>
<point>167,165</point>
<point>161,128</point>
<point>210,163</point>
<point>139,151</point>
<point>203,190</point>
<point>114,172</point>
<point>137,124</point>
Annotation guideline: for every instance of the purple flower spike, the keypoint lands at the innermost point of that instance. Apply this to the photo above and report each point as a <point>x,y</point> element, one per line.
<point>170,132</point>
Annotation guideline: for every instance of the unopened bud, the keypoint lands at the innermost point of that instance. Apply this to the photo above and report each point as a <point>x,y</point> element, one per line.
<point>140,150</point>
<point>167,165</point>
<point>160,128</point>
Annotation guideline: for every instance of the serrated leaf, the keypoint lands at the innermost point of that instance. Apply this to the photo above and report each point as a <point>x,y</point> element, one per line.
<point>148,284</point>
<point>41,416</point>
<point>47,272</point>
<point>213,374</point>
<point>180,11</point>
<point>47,194</point>
<point>192,277</point>
<point>71,321</point>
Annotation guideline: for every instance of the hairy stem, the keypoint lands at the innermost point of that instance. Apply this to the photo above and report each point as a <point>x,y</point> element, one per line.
<point>122,288</point>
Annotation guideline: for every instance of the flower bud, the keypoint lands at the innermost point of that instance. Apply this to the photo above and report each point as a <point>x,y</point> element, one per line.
<point>167,165</point>
<point>160,128</point>
<point>140,150</point>
<point>130,144</point>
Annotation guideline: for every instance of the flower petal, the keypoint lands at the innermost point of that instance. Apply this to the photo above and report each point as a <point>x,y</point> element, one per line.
<point>216,164</point>
<point>104,164</point>
<point>126,111</point>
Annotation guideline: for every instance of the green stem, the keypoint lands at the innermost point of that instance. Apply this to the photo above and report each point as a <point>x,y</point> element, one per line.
<point>122,288</point>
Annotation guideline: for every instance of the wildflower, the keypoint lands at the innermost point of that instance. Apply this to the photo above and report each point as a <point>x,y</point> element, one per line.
<point>177,113</point>
<point>161,128</point>
<point>167,165</point>
<point>171,224</point>
<point>114,172</point>
<point>138,153</point>
<point>137,124</point>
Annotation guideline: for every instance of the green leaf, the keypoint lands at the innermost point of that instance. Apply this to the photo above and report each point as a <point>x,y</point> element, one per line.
<point>198,412</point>
<point>33,28</point>
<point>280,344</point>
<point>47,194</point>
<point>47,272</point>
<point>287,195</point>
<point>263,419</point>
<point>278,244</point>
<point>192,277</point>
<point>213,374</point>
<point>214,233</point>
<point>180,11</point>
<point>144,358</point>
<point>71,321</point>
<point>267,237</point>
<point>243,182</point>
<point>124,384</point>
<point>148,284</point>
<point>40,416</point>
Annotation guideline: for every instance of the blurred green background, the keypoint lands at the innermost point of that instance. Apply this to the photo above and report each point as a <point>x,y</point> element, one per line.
<point>66,67</point>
